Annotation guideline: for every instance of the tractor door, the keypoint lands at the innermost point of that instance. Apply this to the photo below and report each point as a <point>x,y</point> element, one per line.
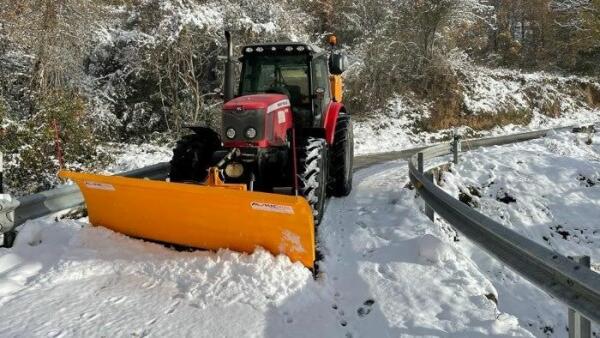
<point>321,90</point>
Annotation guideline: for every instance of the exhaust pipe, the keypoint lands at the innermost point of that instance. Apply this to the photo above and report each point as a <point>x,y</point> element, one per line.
<point>229,71</point>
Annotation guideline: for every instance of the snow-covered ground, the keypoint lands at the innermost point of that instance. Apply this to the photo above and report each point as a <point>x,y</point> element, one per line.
<point>549,191</point>
<point>387,272</point>
<point>133,156</point>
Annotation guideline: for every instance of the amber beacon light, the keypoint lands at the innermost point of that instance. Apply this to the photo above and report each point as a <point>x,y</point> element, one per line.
<point>333,40</point>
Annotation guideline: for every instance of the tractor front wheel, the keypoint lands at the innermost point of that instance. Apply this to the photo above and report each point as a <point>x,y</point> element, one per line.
<point>312,171</point>
<point>192,157</point>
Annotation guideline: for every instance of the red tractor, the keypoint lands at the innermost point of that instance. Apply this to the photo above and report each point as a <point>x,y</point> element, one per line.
<point>285,130</point>
<point>285,133</point>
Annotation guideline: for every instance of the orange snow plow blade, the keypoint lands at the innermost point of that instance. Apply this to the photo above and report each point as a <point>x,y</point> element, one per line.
<point>209,216</point>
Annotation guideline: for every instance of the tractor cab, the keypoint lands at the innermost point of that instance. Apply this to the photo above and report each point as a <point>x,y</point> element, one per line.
<point>296,70</point>
<point>291,69</point>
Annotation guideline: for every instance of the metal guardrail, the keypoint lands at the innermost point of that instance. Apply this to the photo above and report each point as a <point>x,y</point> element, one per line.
<point>570,282</point>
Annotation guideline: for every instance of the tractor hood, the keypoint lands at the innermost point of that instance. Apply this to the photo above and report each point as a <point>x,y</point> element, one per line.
<point>256,101</point>
<point>258,120</point>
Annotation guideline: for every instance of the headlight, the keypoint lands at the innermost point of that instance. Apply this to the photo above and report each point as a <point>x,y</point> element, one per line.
<point>250,133</point>
<point>230,133</point>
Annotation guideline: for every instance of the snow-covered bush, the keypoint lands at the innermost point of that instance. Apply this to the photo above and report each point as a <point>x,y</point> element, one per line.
<point>33,147</point>
<point>156,70</point>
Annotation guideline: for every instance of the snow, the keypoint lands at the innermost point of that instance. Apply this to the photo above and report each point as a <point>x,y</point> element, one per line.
<point>547,190</point>
<point>434,250</point>
<point>134,156</point>
<point>292,241</point>
<point>387,271</point>
<point>6,198</point>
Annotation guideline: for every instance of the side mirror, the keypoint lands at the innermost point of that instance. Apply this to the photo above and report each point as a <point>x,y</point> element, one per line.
<point>337,63</point>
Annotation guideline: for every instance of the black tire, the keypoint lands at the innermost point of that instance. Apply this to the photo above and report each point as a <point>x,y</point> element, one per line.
<point>342,158</point>
<point>192,157</point>
<point>312,167</point>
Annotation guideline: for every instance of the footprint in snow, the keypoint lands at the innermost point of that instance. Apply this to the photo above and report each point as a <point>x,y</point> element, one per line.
<point>172,308</point>
<point>117,299</point>
<point>366,308</point>
<point>386,273</point>
<point>89,316</point>
<point>288,319</point>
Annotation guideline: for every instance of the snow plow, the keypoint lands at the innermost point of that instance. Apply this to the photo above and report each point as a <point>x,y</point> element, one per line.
<point>286,144</point>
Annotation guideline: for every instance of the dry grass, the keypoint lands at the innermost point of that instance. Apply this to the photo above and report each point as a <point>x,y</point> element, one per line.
<point>448,112</point>
<point>591,94</point>
<point>477,122</point>
<point>551,108</point>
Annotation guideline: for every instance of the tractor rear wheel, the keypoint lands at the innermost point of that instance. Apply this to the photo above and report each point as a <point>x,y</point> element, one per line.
<point>342,158</point>
<point>312,167</point>
<point>192,156</point>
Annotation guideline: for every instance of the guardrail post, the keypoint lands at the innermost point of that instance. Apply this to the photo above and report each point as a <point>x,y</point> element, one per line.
<point>429,176</point>
<point>456,148</point>
<point>429,210</point>
<point>579,326</point>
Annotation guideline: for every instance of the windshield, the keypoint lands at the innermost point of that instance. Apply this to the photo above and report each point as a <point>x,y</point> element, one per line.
<point>287,75</point>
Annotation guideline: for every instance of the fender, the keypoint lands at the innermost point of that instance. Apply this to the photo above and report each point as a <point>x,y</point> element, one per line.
<point>333,111</point>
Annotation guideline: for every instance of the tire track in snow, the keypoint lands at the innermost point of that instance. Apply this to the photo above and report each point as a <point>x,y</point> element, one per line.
<point>341,217</point>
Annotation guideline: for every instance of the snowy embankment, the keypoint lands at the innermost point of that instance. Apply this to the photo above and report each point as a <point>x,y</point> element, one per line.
<point>387,271</point>
<point>551,100</point>
<point>547,190</point>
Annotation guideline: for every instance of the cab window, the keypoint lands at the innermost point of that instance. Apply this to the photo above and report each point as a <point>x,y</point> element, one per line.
<point>286,75</point>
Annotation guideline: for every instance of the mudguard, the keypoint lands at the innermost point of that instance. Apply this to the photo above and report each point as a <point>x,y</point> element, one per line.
<point>333,111</point>
<point>202,216</point>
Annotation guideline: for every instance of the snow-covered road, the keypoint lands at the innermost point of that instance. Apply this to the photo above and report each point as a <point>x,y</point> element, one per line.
<point>387,271</point>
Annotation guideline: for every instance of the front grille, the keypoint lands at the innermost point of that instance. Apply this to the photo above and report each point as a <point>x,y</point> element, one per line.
<point>241,120</point>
